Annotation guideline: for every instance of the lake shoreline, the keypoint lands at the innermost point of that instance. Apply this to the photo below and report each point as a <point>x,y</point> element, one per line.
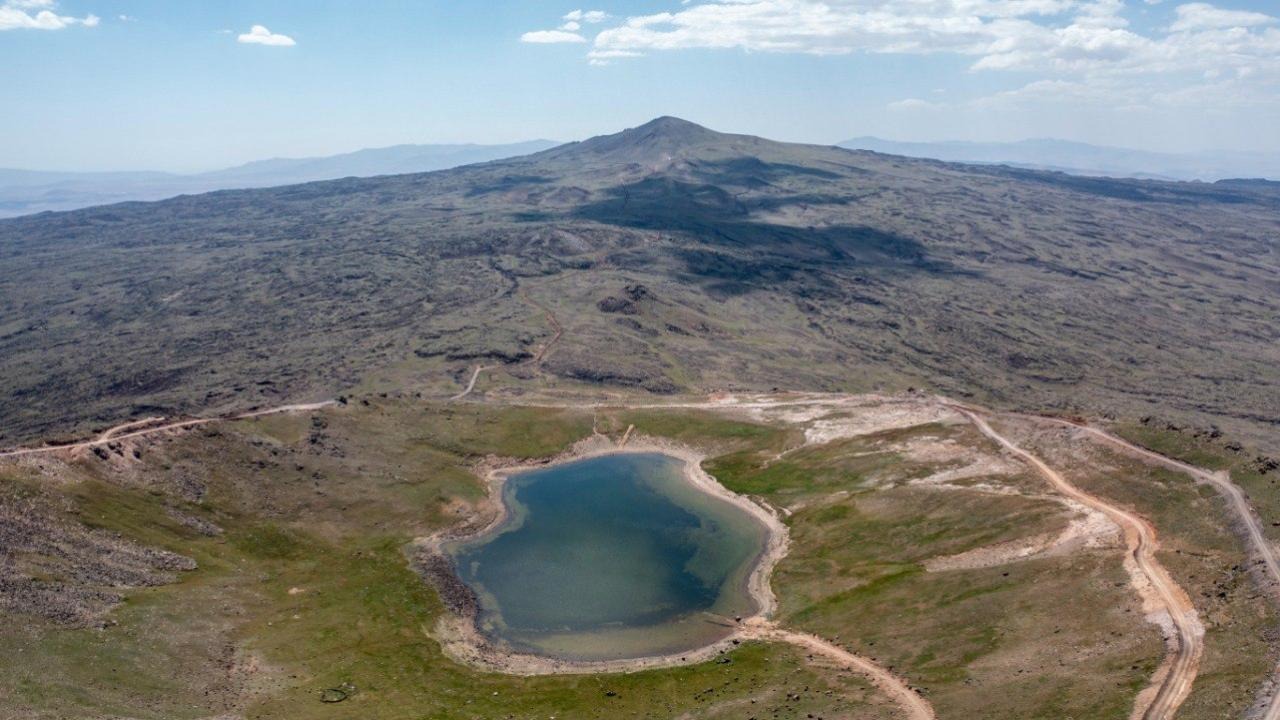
<point>457,631</point>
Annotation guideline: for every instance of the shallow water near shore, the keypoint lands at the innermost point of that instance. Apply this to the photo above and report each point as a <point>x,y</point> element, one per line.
<point>612,557</point>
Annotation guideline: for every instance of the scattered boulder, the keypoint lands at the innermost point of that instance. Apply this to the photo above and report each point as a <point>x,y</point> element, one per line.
<point>614,304</point>
<point>438,571</point>
<point>632,324</point>
<point>54,567</point>
<point>337,694</point>
<point>637,292</point>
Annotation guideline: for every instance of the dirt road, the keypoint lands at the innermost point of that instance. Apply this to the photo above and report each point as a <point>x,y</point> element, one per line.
<point>915,706</point>
<point>115,434</point>
<point>110,432</point>
<point>557,332</point>
<point>1183,663</point>
<point>471,385</point>
<point>1220,480</point>
<point>556,327</point>
<point>1236,500</point>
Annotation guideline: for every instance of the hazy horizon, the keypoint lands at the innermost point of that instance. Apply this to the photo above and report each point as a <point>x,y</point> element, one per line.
<point>143,85</point>
<point>836,141</point>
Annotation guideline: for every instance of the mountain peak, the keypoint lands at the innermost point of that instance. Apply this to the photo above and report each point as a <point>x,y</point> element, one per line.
<point>668,130</point>
<point>660,138</point>
<point>668,125</point>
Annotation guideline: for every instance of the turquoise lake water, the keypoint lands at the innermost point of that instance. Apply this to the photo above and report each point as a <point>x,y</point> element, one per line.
<point>611,557</point>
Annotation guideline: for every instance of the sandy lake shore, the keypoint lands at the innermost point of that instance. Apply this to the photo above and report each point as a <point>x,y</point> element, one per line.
<point>461,640</point>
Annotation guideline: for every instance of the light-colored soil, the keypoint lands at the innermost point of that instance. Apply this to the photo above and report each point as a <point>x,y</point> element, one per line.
<point>115,434</point>
<point>462,642</point>
<point>1164,599</point>
<point>1088,529</point>
<point>1093,522</point>
<point>913,705</point>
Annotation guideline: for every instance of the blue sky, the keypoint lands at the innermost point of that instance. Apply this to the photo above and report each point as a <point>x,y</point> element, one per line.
<point>133,84</point>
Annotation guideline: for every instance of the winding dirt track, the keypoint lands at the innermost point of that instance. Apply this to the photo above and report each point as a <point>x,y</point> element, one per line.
<point>1175,679</point>
<point>1183,662</point>
<point>536,360</point>
<point>557,328</point>
<point>112,431</point>
<point>114,434</point>
<point>1220,480</point>
<point>1236,499</point>
<point>916,707</point>
<point>471,385</point>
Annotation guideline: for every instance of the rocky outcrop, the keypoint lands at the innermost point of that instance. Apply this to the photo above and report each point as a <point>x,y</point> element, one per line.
<point>439,572</point>
<point>56,568</point>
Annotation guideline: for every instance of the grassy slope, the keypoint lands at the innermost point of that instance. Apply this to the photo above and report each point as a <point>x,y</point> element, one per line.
<point>308,589</point>
<point>1032,640</point>
<point>1203,450</point>
<point>1198,547</point>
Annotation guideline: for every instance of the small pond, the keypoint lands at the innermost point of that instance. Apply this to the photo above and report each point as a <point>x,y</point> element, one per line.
<point>612,557</point>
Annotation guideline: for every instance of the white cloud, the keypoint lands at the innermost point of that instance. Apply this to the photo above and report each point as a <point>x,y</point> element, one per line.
<point>613,54</point>
<point>604,57</point>
<point>910,104</point>
<point>1059,40</point>
<point>38,15</point>
<point>1075,51</point>
<point>552,36</point>
<point>260,35</point>
<point>586,16</point>
<point>1203,16</point>
<point>568,30</point>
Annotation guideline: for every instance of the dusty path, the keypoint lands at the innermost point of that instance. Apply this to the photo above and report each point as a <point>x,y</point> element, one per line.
<point>556,327</point>
<point>112,435</point>
<point>109,432</point>
<point>915,706</point>
<point>1221,480</point>
<point>471,385</point>
<point>1172,683</point>
<point>1179,671</point>
<point>536,360</point>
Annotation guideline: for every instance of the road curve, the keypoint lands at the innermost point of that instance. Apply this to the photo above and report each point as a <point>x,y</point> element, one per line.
<point>1220,480</point>
<point>915,706</point>
<point>112,431</point>
<point>557,331</point>
<point>1257,540</point>
<point>1183,662</point>
<point>112,436</point>
<point>471,384</point>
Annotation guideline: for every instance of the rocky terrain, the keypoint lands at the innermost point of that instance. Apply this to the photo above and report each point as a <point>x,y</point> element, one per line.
<point>55,566</point>
<point>675,258</point>
<point>944,562</point>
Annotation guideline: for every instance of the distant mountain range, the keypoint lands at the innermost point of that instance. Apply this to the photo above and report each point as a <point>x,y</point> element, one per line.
<point>1084,159</point>
<point>24,192</point>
